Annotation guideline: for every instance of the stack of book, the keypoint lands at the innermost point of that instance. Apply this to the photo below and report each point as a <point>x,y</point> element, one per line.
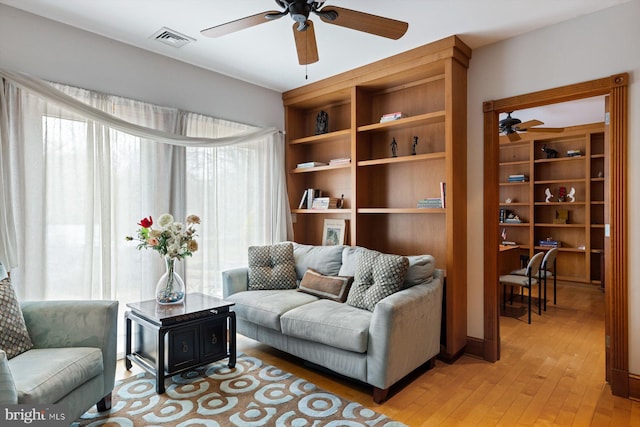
<point>574,153</point>
<point>550,243</point>
<point>518,178</point>
<point>308,196</point>
<point>321,203</point>
<point>340,161</point>
<point>392,116</point>
<point>432,202</point>
<point>310,165</point>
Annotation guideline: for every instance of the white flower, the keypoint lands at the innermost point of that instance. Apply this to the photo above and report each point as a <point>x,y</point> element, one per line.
<point>165,219</point>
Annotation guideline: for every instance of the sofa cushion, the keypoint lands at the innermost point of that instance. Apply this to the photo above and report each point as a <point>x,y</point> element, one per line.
<point>378,276</point>
<point>421,268</point>
<point>331,323</point>
<point>265,307</point>
<point>46,375</point>
<point>335,288</point>
<point>271,267</point>
<point>14,337</point>
<point>323,259</point>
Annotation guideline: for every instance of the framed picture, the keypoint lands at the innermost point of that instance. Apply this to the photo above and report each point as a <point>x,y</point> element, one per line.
<point>334,232</point>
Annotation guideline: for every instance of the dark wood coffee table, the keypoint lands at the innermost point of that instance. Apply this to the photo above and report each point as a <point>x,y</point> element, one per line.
<point>173,338</point>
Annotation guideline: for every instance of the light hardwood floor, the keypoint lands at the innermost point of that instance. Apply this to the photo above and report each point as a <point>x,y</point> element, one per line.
<point>551,374</point>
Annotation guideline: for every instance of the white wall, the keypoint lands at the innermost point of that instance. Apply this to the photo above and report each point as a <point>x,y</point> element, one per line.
<point>585,48</point>
<point>57,52</point>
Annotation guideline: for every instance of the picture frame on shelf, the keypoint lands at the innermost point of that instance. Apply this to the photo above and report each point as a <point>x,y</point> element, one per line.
<point>334,232</point>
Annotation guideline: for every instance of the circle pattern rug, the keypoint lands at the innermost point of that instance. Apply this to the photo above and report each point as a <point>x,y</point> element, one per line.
<point>251,394</point>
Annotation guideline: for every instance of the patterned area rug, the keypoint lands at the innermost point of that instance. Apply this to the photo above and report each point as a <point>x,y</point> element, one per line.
<point>251,394</point>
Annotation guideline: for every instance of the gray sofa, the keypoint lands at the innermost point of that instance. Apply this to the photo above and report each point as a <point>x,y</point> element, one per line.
<point>73,359</point>
<point>377,347</point>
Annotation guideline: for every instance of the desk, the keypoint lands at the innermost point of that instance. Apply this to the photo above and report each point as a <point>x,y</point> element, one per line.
<point>508,259</point>
<point>177,337</point>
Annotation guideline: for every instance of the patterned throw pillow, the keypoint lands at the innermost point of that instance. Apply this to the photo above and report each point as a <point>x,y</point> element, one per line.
<point>377,276</point>
<point>335,288</point>
<point>272,267</point>
<point>14,337</point>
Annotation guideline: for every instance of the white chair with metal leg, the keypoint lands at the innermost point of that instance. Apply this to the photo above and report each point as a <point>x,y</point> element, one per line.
<point>547,269</point>
<point>524,282</point>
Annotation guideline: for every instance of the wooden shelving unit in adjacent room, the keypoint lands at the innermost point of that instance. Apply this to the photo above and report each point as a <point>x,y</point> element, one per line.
<point>381,191</point>
<point>582,236</point>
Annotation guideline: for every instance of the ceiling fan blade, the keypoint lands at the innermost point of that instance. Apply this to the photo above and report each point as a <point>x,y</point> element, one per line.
<point>306,44</point>
<point>545,130</point>
<point>361,21</point>
<point>528,124</point>
<point>513,136</point>
<point>240,24</point>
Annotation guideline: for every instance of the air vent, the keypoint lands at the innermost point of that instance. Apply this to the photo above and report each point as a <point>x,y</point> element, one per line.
<point>172,38</point>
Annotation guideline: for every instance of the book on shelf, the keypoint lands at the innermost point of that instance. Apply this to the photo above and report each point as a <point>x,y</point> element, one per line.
<point>518,178</point>
<point>340,161</point>
<point>443,193</point>
<point>389,117</point>
<point>432,202</point>
<point>321,203</point>
<point>303,199</point>
<point>509,243</point>
<point>310,165</point>
<point>550,243</point>
<point>574,153</point>
<point>312,193</point>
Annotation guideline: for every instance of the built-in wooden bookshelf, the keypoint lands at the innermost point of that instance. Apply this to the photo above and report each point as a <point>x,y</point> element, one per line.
<point>582,236</point>
<point>381,191</point>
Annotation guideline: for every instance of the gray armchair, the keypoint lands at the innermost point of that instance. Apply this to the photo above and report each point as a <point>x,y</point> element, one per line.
<point>73,359</point>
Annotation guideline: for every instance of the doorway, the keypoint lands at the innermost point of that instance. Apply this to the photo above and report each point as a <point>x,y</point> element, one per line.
<point>616,311</point>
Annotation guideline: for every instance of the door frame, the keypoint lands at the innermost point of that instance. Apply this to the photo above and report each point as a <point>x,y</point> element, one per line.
<point>616,274</point>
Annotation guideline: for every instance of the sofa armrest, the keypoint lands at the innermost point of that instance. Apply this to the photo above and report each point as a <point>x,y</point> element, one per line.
<point>404,332</point>
<point>56,324</point>
<point>234,281</point>
<point>8,392</point>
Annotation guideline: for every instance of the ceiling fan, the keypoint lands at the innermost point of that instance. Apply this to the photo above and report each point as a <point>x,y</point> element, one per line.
<point>303,30</point>
<point>510,126</point>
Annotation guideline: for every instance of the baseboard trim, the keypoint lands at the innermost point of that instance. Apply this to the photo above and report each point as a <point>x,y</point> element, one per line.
<point>634,387</point>
<point>475,347</point>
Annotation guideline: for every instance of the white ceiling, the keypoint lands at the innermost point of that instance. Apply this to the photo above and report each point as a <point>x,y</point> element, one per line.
<point>266,55</point>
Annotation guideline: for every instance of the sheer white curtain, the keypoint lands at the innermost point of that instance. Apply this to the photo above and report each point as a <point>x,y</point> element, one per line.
<point>238,189</point>
<point>78,184</point>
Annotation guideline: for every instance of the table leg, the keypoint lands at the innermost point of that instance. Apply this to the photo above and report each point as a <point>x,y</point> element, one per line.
<point>232,339</point>
<point>160,362</point>
<point>127,362</point>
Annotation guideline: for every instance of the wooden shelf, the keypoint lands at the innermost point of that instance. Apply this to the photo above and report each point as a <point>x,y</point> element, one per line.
<point>567,204</point>
<point>560,159</point>
<point>420,120</point>
<point>325,137</point>
<point>321,211</point>
<point>402,159</point>
<point>321,168</point>
<point>421,211</point>
<point>551,225</point>
<point>514,224</point>
<point>560,181</point>
<point>516,163</point>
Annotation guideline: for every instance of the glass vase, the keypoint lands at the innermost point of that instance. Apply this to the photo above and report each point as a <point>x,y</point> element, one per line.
<point>170,288</point>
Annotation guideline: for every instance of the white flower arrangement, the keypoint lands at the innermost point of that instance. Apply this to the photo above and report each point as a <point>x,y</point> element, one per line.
<point>172,239</point>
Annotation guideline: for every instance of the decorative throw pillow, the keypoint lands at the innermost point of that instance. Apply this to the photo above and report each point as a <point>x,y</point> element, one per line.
<point>421,268</point>
<point>14,337</point>
<point>377,276</point>
<point>272,267</point>
<point>335,288</point>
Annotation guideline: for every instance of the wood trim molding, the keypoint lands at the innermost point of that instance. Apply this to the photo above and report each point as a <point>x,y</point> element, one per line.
<point>616,293</point>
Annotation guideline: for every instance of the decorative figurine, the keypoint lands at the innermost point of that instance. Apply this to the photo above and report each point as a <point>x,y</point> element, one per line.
<point>340,202</point>
<point>547,192</point>
<point>322,122</point>
<point>572,195</point>
<point>394,148</point>
<point>551,153</point>
<point>562,193</point>
<point>413,146</point>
